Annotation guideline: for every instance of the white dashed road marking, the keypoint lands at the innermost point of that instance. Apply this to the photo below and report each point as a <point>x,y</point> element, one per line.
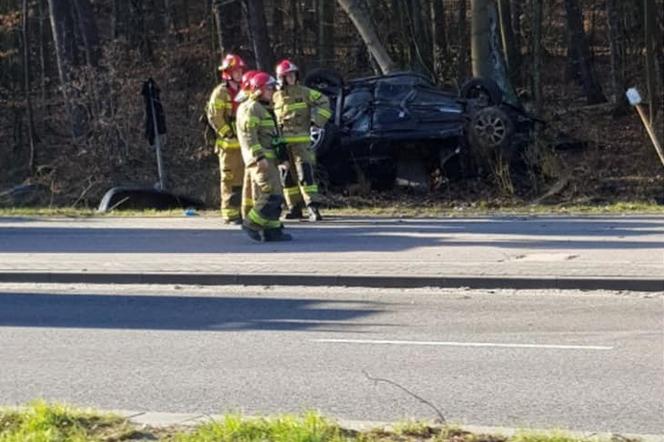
<point>461,344</point>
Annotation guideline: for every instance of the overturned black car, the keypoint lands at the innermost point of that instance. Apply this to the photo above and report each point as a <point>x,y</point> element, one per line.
<point>400,128</point>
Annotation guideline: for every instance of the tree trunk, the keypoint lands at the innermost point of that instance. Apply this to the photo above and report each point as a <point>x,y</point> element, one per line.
<point>487,58</point>
<point>296,37</point>
<point>439,38</point>
<point>462,67</point>
<point>366,30</point>
<point>278,26</point>
<point>121,18</point>
<point>259,36</point>
<point>326,10</point>
<point>88,30</point>
<point>167,18</point>
<point>62,30</point>
<point>537,55</point>
<point>581,53</point>
<point>405,44</point>
<point>651,55</point>
<point>25,33</point>
<point>517,13</point>
<point>614,13</point>
<point>43,18</point>
<point>512,55</point>
<point>138,36</point>
<point>480,51</point>
<point>417,32</point>
<point>228,19</point>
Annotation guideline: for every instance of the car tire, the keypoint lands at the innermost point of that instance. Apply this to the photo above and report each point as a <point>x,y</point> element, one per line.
<point>477,88</point>
<point>327,81</point>
<point>490,128</point>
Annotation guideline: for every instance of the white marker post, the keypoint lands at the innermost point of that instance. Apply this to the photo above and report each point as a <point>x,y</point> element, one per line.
<point>635,100</point>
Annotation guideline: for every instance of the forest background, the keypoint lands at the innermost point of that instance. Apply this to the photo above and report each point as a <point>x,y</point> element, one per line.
<point>71,72</point>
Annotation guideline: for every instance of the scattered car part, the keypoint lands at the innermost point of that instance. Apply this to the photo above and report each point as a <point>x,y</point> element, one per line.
<point>134,198</point>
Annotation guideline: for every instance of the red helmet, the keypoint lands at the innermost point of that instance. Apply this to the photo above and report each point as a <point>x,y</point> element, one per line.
<point>246,78</point>
<point>259,82</point>
<point>230,62</point>
<point>284,67</point>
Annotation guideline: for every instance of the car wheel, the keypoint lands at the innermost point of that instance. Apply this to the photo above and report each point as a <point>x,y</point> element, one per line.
<point>322,138</point>
<point>327,81</point>
<point>490,128</point>
<point>486,91</point>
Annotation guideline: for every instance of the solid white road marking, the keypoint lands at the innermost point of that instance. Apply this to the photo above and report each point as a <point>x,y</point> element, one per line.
<point>461,344</point>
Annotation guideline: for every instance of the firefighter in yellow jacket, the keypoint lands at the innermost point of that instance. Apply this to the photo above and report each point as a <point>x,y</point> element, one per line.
<point>296,107</point>
<point>259,138</point>
<point>221,110</point>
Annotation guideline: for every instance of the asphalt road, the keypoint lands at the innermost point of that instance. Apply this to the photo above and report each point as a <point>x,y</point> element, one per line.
<point>503,247</point>
<point>573,360</point>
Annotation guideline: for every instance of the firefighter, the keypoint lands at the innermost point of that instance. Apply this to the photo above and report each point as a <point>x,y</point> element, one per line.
<point>257,133</point>
<point>296,108</point>
<point>221,110</point>
<point>247,196</point>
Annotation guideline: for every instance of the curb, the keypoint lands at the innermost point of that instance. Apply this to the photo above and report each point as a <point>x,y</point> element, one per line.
<point>164,420</point>
<point>374,281</point>
<point>156,419</point>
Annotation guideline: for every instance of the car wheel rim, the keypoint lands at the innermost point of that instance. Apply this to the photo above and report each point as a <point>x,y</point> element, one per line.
<point>491,129</point>
<point>316,135</point>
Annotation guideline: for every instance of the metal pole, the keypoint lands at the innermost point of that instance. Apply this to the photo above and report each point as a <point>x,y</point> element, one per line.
<point>157,142</point>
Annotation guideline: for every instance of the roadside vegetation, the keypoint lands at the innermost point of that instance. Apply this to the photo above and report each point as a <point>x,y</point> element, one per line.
<point>42,422</point>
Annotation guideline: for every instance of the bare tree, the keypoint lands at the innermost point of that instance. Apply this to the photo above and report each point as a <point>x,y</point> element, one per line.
<point>650,30</point>
<point>439,36</point>
<point>259,36</point>
<point>614,12</point>
<point>580,55</point>
<point>27,74</point>
<point>366,30</point>
<point>462,25</point>
<point>326,11</point>
<point>517,14</point>
<point>512,54</point>
<point>87,28</point>
<point>537,54</point>
<point>228,18</point>
<point>61,26</point>
<point>418,38</point>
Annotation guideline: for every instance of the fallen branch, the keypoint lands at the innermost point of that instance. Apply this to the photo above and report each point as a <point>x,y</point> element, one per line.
<point>419,398</point>
<point>91,183</point>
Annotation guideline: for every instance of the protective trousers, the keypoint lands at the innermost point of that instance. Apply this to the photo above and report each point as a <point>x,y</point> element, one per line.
<point>267,198</point>
<point>300,182</point>
<point>247,194</point>
<point>231,167</point>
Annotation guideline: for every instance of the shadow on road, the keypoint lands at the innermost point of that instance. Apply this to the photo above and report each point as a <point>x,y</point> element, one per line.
<point>344,236</point>
<point>182,313</point>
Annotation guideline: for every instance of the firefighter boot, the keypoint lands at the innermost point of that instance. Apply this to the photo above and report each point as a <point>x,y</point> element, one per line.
<point>255,235</point>
<point>314,213</point>
<point>232,222</point>
<point>273,235</point>
<point>294,213</point>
